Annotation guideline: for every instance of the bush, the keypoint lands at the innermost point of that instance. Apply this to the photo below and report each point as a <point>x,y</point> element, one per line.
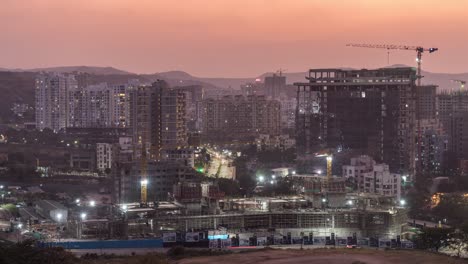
<point>176,251</point>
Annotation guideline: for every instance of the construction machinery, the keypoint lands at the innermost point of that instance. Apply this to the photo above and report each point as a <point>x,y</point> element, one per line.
<point>419,51</point>
<point>462,84</point>
<point>329,157</point>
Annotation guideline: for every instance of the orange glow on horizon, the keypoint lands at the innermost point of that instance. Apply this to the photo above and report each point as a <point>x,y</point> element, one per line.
<point>230,38</point>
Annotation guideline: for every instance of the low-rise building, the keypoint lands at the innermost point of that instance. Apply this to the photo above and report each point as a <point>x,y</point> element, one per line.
<point>370,177</point>
<point>103,156</point>
<point>268,142</point>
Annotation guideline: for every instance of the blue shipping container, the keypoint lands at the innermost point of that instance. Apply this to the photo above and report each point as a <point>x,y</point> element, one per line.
<point>98,244</point>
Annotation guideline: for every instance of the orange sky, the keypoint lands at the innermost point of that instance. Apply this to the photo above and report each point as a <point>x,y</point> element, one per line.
<point>231,38</point>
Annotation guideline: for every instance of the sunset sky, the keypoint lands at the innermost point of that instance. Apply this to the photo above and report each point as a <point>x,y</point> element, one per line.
<point>230,38</point>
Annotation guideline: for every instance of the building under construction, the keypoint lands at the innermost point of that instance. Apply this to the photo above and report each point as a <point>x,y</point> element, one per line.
<point>372,111</point>
<point>363,215</point>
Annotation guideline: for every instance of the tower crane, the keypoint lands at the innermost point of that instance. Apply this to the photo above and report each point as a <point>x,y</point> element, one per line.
<point>280,71</point>
<point>143,175</point>
<point>462,84</point>
<point>419,51</point>
<point>329,157</point>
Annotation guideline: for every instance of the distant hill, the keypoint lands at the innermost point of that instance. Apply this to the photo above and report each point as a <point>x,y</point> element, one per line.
<point>15,87</point>
<point>87,69</point>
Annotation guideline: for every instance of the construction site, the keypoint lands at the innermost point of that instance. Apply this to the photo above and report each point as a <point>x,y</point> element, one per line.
<point>368,111</point>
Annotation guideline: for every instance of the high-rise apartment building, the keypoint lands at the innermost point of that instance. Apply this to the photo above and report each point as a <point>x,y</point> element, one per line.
<point>157,118</point>
<point>121,105</point>
<point>453,113</point>
<point>253,88</point>
<point>426,105</point>
<point>459,135</point>
<point>240,116</point>
<point>275,85</point>
<point>372,111</point>
<point>99,105</point>
<point>51,95</point>
<point>433,144</point>
<point>288,112</point>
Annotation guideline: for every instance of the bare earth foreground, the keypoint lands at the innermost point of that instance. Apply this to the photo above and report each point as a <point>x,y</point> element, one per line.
<point>326,256</point>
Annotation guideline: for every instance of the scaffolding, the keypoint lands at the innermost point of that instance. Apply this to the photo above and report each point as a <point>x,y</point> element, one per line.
<point>342,221</point>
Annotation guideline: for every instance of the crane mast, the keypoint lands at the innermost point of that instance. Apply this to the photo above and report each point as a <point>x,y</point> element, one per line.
<point>143,175</point>
<point>419,51</point>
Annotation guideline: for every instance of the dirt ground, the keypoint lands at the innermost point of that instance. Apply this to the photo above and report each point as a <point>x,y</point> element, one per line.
<point>326,256</point>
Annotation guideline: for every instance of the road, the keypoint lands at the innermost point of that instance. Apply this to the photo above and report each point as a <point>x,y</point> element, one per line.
<point>220,162</point>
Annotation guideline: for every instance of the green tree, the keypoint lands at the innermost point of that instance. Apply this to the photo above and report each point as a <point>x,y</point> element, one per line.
<point>229,187</point>
<point>432,238</point>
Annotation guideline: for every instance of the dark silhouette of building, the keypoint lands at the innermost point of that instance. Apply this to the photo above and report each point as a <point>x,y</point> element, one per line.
<point>368,110</point>
<point>275,85</point>
<point>157,116</point>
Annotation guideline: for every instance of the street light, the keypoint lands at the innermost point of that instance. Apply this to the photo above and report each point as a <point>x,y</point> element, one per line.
<point>324,200</point>
<point>402,202</point>
<point>261,178</point>
<point>1,186</point>
<point>124,207</point>
<point>83,216</point>
<point>77,201</point>
<point>59,217</point>
<point>319,172</point>
<point>92,203</point>
<point>350,202</point>
<point>20,225</point>
<point>144,182</point>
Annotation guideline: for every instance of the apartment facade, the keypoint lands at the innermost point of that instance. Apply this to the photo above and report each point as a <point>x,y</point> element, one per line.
<point>51,100</point>
<point>157,118</point>
<point>370,177</point>
<point>372,111</point>
<point>240,116</point>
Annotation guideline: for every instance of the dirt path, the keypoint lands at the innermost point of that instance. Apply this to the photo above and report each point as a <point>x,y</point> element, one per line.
<point>326,257</point>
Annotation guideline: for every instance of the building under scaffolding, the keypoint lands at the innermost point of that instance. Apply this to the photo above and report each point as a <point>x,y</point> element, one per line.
<point>368,110</point>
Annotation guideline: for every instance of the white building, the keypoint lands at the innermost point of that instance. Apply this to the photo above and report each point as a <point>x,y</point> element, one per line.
<point>91,106</point>
<point>121,104</point>
<point>371,177</point>
<point>283,172</point>
<point>268,142</point>
<point>103,156</point>
<point>51,98</point>
<point>100,105</point>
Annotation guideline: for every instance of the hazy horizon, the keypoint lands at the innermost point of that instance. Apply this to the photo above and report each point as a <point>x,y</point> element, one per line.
<point>231,38</point>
